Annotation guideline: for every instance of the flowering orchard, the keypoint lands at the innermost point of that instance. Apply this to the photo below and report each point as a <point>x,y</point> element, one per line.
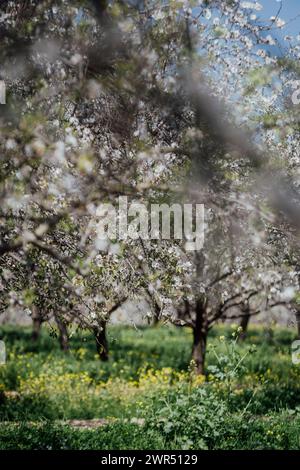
<point>180,102</point>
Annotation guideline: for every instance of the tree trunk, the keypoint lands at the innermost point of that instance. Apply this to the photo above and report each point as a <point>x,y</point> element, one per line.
<point>101,341</point>
<point>198,352</point>
<point>244,325</point>
<point>36,323</point>
<point>156,317</point>
<point>63,334</point>
<point>200,332</point>
<point>297,315</point>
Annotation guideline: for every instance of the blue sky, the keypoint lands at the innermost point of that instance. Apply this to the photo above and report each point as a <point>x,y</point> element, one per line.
<point>290,9</point>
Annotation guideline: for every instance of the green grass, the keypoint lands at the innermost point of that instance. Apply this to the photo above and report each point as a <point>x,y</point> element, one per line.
<point>149,379</point>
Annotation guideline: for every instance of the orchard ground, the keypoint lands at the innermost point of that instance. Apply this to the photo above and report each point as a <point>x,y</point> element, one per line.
<point>147,395</point>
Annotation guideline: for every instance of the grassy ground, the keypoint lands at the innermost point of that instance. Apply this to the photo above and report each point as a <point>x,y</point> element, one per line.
<point>147,396</point>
